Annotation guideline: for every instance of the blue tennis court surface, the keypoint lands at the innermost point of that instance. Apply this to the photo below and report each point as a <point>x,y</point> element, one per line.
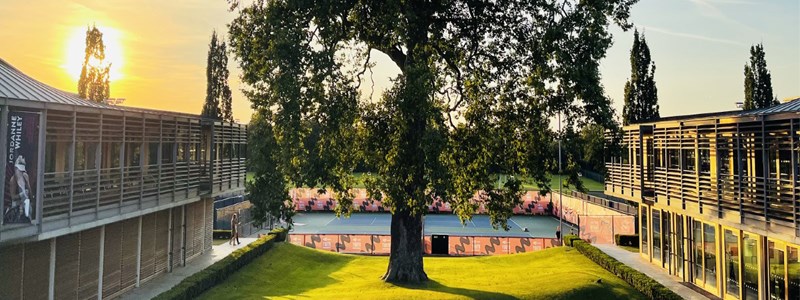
<point>445,224</point>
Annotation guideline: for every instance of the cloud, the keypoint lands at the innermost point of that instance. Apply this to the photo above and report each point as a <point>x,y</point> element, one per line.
<point>709,9</point>
<point>692,36</point>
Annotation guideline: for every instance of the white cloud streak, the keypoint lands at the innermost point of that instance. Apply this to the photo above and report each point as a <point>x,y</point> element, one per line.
<point>692,36</point>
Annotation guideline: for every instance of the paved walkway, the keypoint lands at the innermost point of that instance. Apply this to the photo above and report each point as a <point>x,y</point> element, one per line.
<point>634,260</point>
<point>164,282</point>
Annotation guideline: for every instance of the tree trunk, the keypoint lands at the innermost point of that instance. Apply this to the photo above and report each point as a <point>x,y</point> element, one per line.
<point>405,260</point>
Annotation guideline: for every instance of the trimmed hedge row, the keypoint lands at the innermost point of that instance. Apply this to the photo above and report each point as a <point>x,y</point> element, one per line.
<point>641,282</point>
<point>568,239</point>
<point>222,234</point>
<point>192,286</point>
<point>627,240</point>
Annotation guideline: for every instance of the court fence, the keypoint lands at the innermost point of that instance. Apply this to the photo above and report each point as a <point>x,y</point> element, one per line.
<point>456,245</point>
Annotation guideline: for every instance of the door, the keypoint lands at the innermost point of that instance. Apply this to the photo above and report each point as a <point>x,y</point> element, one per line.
<point>680,256</point>
<point>667,233</point>
<point>440,244</point>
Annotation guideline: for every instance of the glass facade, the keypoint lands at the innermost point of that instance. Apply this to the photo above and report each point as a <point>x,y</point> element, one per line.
<point>644,230</point>
<point>657,235</point>
<point>794,272</point>
<point>777,272</point>
<point>731,263</point>
<point>679,245</point>
<point>709,249</point>
<point>750,266</point>
<point>697,249</point>
<point>666,236</point>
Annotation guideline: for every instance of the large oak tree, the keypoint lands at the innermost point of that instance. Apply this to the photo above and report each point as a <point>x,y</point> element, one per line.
<point>479,83</point>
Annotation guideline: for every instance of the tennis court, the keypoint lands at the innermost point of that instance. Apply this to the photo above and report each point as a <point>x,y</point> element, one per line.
<point>434,224</point>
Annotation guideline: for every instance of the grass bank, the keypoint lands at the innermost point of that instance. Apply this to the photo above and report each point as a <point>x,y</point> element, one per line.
<point>293,272</point>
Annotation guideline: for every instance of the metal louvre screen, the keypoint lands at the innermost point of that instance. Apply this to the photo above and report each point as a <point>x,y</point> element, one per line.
<point>190,232</point>
<point>112,259</point>
<point>10,277</point>
<point>148,247</point>
<point>209,223</point>
<point>198,227</point>
<point>130,235</point>
<point>37,270</point>
<point>177,236</point>
<point>89,263</point>
<point>67,266</point>
<point>161,241</point>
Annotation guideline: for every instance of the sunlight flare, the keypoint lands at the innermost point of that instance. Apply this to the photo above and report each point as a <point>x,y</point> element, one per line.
<point>76,46</point>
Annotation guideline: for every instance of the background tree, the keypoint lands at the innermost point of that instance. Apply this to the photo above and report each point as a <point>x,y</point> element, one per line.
<point>218,93</point>
<point>593,142</point>
<point>479,83</point>
<point>758,81</point>
<point>641,94</point>
<point>94,81</point>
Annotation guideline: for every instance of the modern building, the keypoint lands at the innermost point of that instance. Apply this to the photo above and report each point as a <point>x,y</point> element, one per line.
<point>718,198</point>
<point>98,199</point>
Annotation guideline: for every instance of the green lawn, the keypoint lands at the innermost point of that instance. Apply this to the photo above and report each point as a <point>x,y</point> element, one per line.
<point>290,271</point>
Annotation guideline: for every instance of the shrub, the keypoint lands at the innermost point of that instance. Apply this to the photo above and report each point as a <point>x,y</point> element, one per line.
<point>631,240</point>
<point>641,282</point>
<point>192,286</point>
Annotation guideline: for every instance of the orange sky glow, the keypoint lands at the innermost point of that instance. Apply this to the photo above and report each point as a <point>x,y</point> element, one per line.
<point>157,48</point>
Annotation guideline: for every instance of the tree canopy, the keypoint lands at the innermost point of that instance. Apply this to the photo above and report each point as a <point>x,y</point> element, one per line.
<point>94,81</point>
<point>758,81</point>
<point>479,83</point>
<point>218,93</point>
<point>641,94</point>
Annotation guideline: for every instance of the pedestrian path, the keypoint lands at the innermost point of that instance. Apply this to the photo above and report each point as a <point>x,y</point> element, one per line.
<point>635,261</point>
<point>164,282</point>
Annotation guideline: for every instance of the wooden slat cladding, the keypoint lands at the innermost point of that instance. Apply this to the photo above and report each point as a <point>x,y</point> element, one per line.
<point>208,206</point>
<point>148,246</point>
<point>89,263</point>
<point>67,266</point>
<point>161,241</point>
<point>177,237</point>
<point>11,260</point>
<point>35,284</point>
<point>130,236</point>
<point>112,259</point>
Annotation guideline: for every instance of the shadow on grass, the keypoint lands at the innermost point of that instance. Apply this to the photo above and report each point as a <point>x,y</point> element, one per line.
<point>433,285</point>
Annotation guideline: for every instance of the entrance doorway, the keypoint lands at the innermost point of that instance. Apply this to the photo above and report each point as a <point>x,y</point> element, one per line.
<point>440,244</point>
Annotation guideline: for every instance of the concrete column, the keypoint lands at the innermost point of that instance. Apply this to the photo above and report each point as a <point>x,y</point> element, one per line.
<point>52,276</point>
<point>170,254</point>
<point>100,266</point>
<point>139,254</point>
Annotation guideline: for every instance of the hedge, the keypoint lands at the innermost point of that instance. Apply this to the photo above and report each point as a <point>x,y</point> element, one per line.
<point>641,282</point>
<point>568,239</point>
<point>222,234</point>
<point>631,240</point>
<point>192,286</point>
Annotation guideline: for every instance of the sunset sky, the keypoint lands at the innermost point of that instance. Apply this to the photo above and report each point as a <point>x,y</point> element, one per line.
<point>158,49</point>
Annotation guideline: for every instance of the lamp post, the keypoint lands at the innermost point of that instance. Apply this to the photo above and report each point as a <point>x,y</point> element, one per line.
<point>560,187</point>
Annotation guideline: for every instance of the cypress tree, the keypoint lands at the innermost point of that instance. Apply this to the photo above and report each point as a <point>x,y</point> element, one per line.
<point>218,93</point>
<point>641,94</point>
<point>94,81</point>
<point>758,81</point>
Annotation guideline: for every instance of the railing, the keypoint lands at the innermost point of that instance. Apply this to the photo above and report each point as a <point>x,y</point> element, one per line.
<point>613,205</point>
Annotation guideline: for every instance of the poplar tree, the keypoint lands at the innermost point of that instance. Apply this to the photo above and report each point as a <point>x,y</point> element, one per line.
<point>641,94</point>
<point>218,93</point>
<point>94,81</point>
<point>758,81</point>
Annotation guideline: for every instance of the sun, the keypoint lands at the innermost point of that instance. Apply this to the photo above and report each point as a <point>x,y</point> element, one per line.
<point>76,47</point>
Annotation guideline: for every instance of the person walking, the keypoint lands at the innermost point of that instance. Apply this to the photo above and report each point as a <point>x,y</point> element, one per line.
<point>234,231</point>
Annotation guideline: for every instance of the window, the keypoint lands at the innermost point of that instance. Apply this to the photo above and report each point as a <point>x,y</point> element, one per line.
<point>785,164</point>
<point>674,159</point>
<point>643,231</point>
<point>656,234</point>
<point>110,155</point>
<point>724,161</point>
<point>697,249</point>
<point>709,249</point>
<point>133,154</point>
<point>777,272</point>
<point>85,156</point>
<point>50,157</point>
<point>167,151</point>
<point>750,266</point>
<point>732,263</point>
<point>152,153</point>
<point>705,160</point>
<point>183,152</point>
<point>794,273</point>
<point>688,156</point>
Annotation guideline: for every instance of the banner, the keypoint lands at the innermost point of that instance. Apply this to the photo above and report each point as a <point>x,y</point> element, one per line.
<point>19,200</point>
